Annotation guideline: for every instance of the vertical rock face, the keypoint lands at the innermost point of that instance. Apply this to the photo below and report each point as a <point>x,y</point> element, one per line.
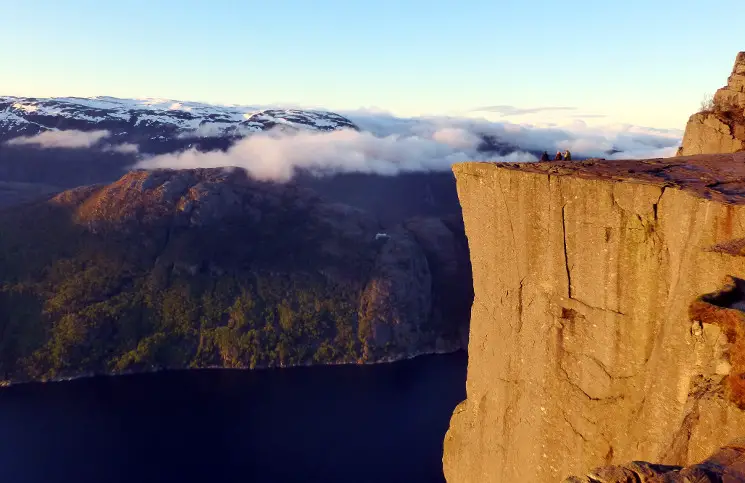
<point>607,316</point>
<point>721,128</point>
<point>733,94</point>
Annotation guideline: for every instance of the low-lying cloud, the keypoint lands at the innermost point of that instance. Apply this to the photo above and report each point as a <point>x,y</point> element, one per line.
<point>582,139</point>
<point>123,148</point>
<point>73,139</point>
<point>389,145</point>
<point>70,139</point>
<point>277,155</point>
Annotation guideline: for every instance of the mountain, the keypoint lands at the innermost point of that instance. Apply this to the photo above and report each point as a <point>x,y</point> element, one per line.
<point>156,125</point>
<point>203,268</point>
<point>720,126</point>
<point>209,268</point>
<point>159,126</point>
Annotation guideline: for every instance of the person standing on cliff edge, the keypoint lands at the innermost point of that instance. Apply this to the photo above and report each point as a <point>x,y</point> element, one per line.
<point>544,156</point>
<point>558,156</point>
<point>567,155</point>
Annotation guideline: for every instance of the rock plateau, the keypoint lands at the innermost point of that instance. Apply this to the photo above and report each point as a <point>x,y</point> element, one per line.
<point>608,322</point>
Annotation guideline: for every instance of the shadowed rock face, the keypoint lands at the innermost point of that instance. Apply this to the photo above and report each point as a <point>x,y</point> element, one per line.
<point>720,129</point>
<point>208,267</point>
<point>608,322</point>
<point>727,464</point>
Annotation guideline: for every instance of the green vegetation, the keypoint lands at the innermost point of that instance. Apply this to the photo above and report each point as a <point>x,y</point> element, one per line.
<point>75,300</point>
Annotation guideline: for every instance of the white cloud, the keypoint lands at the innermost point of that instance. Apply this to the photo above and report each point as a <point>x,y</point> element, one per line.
<point>389,145</point>
<point>276,155</point>
<point>577,136</point>
<point>124,148</point>
<point>70,139</point>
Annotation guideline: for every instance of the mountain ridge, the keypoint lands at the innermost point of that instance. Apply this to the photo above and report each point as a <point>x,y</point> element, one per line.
<point>154,119</point>
<point>210,268</point>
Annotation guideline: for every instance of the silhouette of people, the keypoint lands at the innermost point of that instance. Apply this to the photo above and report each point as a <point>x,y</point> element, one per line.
<point>544,156</point>
<point>567,156</point>
<point>558,156</point>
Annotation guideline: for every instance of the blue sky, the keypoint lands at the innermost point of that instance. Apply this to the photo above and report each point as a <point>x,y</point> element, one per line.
<point>642,62</point>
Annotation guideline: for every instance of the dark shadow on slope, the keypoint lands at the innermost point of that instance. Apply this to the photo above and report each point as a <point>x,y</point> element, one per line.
<point>109,279</point>
<point>725,309</point>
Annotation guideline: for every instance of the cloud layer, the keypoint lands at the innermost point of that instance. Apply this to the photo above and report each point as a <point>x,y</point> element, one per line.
<point>73,139</point>
<point>389,145</point>
<point>582,139</point>
<point>70,139</point>
<point>277,155</point>
<point>123,148</point>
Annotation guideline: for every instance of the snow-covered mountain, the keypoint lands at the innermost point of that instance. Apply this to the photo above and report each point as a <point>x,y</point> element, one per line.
<point>138,120</point>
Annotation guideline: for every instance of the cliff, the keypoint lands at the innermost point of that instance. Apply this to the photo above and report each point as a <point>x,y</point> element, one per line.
<point>209,268</point>
<point>607,321</point>
<point>720,127</point>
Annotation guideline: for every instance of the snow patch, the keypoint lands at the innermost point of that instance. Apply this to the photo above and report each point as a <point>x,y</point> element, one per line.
<point>29,108</point>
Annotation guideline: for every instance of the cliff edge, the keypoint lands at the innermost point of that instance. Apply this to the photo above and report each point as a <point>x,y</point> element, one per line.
<point>608,319</point>
<point>719,127</point>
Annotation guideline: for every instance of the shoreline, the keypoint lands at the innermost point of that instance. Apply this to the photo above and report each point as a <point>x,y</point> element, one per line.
<point>388,360</point>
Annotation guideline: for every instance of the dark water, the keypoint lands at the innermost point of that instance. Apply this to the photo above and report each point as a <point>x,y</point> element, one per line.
<point>351,424</point>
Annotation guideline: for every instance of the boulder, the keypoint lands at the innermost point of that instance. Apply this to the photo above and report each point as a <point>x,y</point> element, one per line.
<point>727,464</point>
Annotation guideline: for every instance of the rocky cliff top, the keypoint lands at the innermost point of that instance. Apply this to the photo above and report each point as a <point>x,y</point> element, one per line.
<point>733,94</point>
<point>719,177</point>
<point>720,126</point>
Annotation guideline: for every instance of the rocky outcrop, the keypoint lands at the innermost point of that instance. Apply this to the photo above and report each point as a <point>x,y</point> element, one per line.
<point>720,128</point>
<point>727,464</point>
<point>733,94</point>
<point>607,320</point>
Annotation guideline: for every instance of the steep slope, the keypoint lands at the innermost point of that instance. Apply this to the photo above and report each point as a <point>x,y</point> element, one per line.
<point>202,268</point>
<point>607,321</point>
<point>721,127</point>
